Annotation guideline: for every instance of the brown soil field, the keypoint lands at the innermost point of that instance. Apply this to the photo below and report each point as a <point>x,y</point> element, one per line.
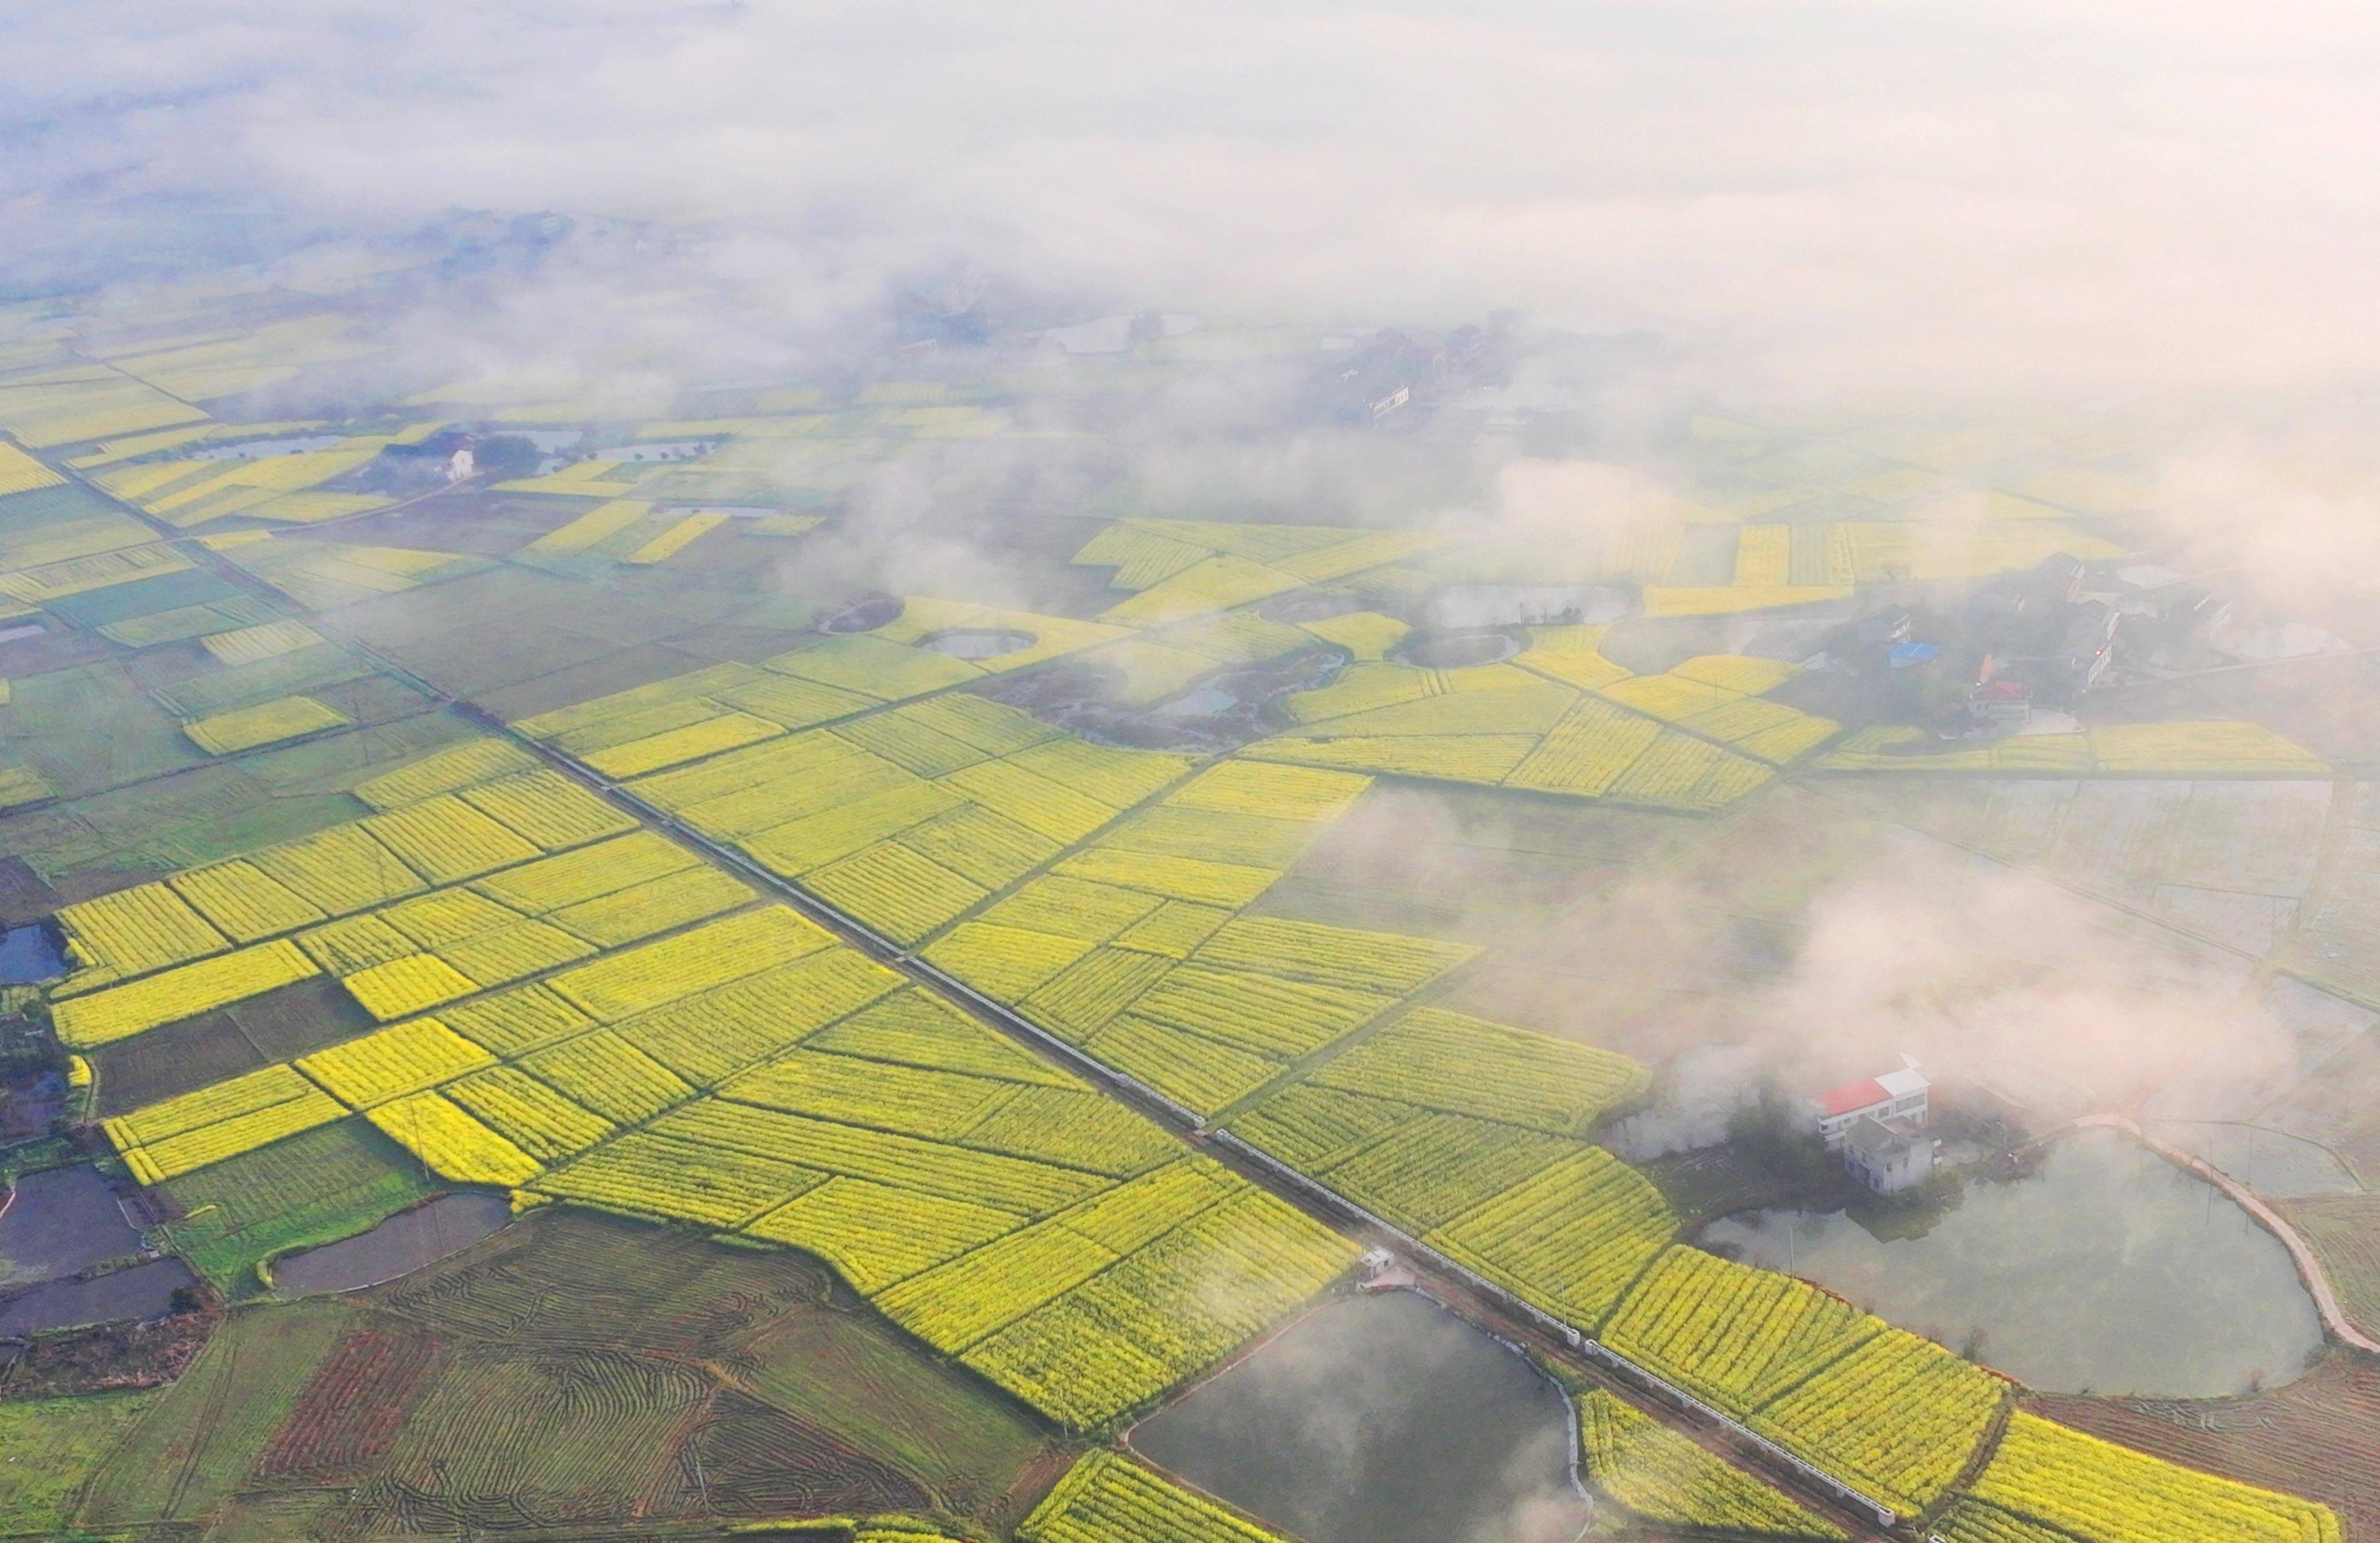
<point>109,1356</point>
<point>178,1058</point>
<point>23,896</point>
<point>748,1459</point>
<point>350,1416</point>
<point>300,1018</point>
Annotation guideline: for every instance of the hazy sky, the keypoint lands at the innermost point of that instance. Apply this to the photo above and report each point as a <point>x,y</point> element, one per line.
<point>1859,195</point>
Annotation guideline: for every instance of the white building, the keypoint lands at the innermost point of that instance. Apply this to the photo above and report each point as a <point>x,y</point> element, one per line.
<point>1899,1096</point>
<point>1888,1155</point>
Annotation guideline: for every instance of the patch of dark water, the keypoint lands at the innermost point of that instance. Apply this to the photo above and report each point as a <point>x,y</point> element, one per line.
<point>1382,1418</point>
<point>2106,1270</point>
<point>59,1223</point>
<point>145,1291</point>
<point>30,955</point>
<point>399,1246</point>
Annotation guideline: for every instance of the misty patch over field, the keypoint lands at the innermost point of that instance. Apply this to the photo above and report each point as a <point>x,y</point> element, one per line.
<point>2116,212</point>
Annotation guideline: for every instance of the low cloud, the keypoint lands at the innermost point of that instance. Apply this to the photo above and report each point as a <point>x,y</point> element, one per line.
<point>1860,199</point>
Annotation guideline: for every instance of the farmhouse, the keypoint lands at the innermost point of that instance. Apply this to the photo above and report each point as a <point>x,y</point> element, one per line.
<point>1889,1154</point>
<point>1895,1096</point>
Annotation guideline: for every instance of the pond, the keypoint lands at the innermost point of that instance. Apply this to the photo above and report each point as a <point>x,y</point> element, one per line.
<point>1478,605</point>
<point>58,1222</point>
<point>30,955</point>
<point>2105,1271</point>
<point>980,642</point>
<point>399,1246</point>
<point>1458,650</point>
<point>145,1291</point>
<point>1382,1418</point>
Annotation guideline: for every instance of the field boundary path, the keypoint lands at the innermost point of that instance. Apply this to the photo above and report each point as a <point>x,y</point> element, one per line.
<point>2309,1267</point>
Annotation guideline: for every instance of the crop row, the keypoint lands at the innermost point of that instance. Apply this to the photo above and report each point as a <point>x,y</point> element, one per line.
<point>133,932</point>
<point>394,1061</point>
<point>607,1074</point>
<point>2105,1493</point>
<point>877,1234</point>
<point>1484,757</point>
<point>244,902</point>
<point>1425,1173</point>
<point>1310,1126</point>
<point>1898,1417</point>
<point>226,1138</point>
<point>1331,956</point>
<point>1450,1061</point>
<point>116,1013</point>
<point>447,771</point>
<point>940,1106</point>
<point>451,1143</point>
<point>1569,1238</point>
<point>712,954</point>
<point>987,849</point>
<point>1665,1477</point>
<point>1081,909</point>
<point>225,734</point>
<point>911,1027</point>
<point>531,1114</point>
<point>1105,1498</point>
<point>960,1173</point>
<point>1200,1074</point>
<point>1587,751</point>
<point>710,1036</point>
<point>1248,839</point>
<point>340,872</point>
<point>1730,1333</point>
<point>651,1174</point>
<point>895,890</point>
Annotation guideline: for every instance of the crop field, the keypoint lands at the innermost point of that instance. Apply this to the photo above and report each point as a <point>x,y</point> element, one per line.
<point>1663,1476</point>
<point>1561,719</point>
<point>344,1423</point>
<point>55,1446</point>
<point>1105,1498</point>
<point>2180,750</point>
<point>2071,1485</point>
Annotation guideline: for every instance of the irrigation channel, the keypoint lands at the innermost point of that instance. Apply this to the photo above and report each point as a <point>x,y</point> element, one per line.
<point>1860,1516</point>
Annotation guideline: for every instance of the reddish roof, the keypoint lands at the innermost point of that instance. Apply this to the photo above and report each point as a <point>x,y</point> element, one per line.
<point>1853,1095</point>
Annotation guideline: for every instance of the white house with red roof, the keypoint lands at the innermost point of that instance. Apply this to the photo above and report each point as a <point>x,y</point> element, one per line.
<point>1899,1096</point>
